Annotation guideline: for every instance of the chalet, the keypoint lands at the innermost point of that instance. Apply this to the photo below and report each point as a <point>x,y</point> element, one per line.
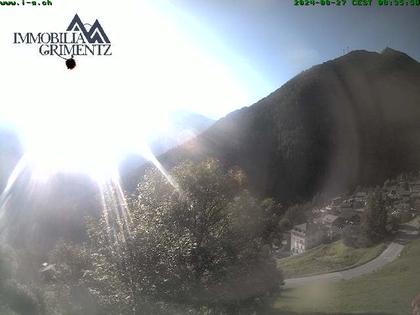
<point>305,236</point>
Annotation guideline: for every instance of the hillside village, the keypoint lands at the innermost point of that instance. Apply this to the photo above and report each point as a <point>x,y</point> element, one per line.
<point>327,222</point>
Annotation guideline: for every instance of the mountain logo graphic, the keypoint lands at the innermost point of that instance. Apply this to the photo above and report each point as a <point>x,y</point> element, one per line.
<point>95,34</point>
<point>80,39</point>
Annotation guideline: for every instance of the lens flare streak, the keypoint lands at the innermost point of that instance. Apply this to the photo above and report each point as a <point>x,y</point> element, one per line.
<point>17,171</point>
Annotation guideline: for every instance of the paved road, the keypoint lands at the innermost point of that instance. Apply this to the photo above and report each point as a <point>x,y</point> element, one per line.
<point>388,255</point>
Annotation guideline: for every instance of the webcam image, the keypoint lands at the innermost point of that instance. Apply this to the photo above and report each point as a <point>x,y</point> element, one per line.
<point>210,157</point>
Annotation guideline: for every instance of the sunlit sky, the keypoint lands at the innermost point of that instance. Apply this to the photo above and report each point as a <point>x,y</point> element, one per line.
<point>207,56</point>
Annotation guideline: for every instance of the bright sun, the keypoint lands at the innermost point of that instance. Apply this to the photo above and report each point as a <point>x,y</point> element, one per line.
<point>90,145</point>
<point>86,120</point>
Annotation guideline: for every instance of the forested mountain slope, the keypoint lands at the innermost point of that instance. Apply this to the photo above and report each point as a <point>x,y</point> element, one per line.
<point>350,121</point>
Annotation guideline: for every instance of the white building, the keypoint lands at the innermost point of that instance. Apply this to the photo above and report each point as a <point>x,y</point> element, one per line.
<point>305,236</point>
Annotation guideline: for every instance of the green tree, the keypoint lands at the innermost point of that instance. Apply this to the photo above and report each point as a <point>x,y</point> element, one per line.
<point>272,214</point>
<point>375,218</point>
<point>199,244</point>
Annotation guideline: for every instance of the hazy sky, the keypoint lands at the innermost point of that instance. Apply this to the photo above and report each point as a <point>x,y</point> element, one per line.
<point>208,56</point>
<point>278,39</point>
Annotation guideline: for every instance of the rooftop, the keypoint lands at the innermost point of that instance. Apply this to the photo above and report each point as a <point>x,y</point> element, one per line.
<point>300,227</point>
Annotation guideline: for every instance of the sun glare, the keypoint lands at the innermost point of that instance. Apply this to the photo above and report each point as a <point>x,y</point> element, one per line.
<point>94,148</point>
<point>88,119</point>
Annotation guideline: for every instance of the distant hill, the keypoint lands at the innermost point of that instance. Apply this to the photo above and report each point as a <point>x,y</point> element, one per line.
<point>183,126</point>
<point>350,121</point>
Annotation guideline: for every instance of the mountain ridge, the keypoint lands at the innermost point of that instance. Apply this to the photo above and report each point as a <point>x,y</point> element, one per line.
<point>349,121</point>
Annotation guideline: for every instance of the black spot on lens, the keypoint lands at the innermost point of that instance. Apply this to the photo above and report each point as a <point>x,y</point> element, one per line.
<point>70,63</point>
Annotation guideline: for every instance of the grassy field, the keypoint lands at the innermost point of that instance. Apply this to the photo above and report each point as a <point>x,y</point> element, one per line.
<point>415,223</point>
<point>388,291</point>
<point>327,258</point>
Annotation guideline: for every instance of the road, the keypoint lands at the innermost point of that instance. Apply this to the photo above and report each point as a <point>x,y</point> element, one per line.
<point>388,255</point>
<point>391,253</point>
